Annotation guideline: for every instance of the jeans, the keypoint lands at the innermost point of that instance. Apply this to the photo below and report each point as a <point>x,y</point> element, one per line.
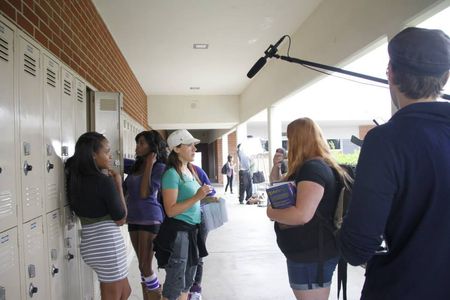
<point>245,185</point>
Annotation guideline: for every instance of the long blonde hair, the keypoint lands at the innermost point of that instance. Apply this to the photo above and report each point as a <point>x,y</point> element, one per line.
<point>305,142</point>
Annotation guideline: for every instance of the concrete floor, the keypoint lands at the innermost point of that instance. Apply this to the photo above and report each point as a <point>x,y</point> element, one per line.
<point>244,261</point>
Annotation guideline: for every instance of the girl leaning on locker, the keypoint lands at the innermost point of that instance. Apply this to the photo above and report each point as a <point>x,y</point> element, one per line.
<point>95,195</point>
<point>310,262</point>
<point>178,246</point>
<point>145,213</point>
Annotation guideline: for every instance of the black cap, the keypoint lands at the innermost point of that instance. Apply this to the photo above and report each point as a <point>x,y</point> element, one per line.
<point>421,51</point>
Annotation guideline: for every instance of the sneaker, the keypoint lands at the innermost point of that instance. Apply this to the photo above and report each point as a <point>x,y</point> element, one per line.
<point>195,296</point>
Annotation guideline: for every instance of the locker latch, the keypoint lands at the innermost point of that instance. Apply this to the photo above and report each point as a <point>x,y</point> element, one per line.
<point>49,166</point>
<point>69,256</point>
<point>27,168</point>
<point>1,173</point>
<point>55,270</point>
<point>32,290</point>
<point>65,151</point>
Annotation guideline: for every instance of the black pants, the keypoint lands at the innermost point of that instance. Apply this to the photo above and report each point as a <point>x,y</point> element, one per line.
<point>229,183</point>
<point>199,273</point>
<point>245,185</point>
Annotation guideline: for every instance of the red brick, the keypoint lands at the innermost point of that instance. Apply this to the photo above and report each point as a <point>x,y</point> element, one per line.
<point>45,29</point>
<point>54,49</point>
<point>17,4</point>
<point>41,38</point>
<point>29,3</point>
<point>46,7</point>
<point>8,9</point>
<point>58,41</point>
<point>25,24</point>
<point>30,15</point>
<point>43,16</point>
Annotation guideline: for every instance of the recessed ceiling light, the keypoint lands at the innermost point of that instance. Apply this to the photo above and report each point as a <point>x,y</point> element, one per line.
<point>201,46</point>
<point>194,88</point>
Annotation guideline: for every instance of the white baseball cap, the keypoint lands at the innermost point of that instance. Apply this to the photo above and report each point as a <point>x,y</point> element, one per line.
<point>181,136</point>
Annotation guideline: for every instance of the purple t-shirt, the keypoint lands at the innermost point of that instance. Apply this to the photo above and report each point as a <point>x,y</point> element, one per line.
<point>146,211</point>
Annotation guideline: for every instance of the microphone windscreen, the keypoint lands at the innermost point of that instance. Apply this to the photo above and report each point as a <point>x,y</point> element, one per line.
<point>256,67</point>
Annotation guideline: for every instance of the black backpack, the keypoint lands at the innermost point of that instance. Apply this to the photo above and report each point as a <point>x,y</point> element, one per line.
<point>344,197</point>
<point>225,169</point>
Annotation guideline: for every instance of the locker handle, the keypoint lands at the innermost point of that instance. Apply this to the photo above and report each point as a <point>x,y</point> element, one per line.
<point>1,170</point>
<point>32,290</point>
<point>55,270</point>
<point>49,166</point>
<point>69,256</point>
<point>27,168</point>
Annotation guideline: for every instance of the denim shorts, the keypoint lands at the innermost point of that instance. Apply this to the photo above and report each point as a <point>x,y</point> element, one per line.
<point>179,276</point>
<point>303,276</point>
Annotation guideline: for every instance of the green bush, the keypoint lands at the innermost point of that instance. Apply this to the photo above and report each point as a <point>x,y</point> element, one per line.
<point>346,159</point>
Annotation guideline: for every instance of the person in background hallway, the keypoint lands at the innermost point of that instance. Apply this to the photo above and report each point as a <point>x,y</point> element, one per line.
<point>230,174</point>
<point>177,245</point>
<point>299,230</point>
<point>245,178</point>
<point>145,213</point>
<point>402,185</point>
<point>279,162</point>
<point>95,195</point>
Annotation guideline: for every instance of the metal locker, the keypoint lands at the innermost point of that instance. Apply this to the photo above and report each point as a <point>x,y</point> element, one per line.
<point>52,134</point>
<point>30,126</point>
<point>34,260</point>
<point>107,119</point>
<point>9,260</point>
<point>68,137</point>
<point>8,194</point>
<point>55,254</point>
<point>80,107</point>
<point>71,257</point>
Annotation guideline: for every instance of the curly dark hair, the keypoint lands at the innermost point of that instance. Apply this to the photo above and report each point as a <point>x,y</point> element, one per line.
<point>156,144</point>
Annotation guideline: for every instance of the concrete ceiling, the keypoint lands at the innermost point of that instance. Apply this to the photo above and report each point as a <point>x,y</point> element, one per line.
<point>157,36</point>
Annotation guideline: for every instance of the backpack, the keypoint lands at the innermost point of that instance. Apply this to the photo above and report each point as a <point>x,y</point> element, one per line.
<point>225,169</point>
<point>343,201</point>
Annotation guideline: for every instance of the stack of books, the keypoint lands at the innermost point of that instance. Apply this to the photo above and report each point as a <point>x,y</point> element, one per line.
<point>282,194</point>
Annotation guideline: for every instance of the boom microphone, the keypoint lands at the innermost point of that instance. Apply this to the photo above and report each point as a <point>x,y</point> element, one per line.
<point>256,67</point>
<point>269,53</point>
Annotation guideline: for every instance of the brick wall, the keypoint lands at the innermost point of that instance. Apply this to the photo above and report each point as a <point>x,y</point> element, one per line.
<point>75,33</point>
<point>219,160</point>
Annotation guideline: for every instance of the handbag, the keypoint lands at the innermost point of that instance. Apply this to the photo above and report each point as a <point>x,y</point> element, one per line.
<point>258,177</point>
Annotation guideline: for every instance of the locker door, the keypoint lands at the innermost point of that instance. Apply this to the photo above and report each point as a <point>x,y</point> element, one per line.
<point>30,108</point>
<point>35,270</point>
<point>68,137</point>
<point>52,138</point>
<point>8,196</point>
<point>9,260</point>
<point>55,255</point>
<point>80,107</point>
<point>71,258</point>
<point>107,120</point>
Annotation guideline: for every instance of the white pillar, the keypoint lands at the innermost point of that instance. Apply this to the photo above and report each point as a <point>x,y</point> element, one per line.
<point>274,130</point>
<point>224,153</point>
<point>241,132</point>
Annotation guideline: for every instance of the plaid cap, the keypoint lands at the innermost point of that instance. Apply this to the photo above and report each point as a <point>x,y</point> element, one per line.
<point>420,51</point>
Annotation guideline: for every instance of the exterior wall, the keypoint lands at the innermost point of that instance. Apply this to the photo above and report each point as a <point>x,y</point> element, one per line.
<point>75,33</point>
<point>219,161</point>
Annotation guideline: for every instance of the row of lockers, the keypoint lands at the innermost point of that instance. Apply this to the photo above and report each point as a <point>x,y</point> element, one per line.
<point>42,112</point>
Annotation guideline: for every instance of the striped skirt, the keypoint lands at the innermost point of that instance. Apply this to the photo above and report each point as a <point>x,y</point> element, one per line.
<point>103,249</point>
